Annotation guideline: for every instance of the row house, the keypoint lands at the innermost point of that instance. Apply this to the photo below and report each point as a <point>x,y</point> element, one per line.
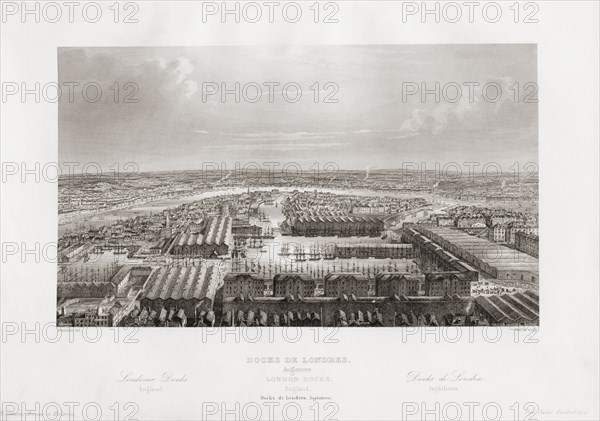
<point>346,283</point>
<point>295,284</point>
<point>389,284</point>
<point>247,284</point>
<point>439,284</point>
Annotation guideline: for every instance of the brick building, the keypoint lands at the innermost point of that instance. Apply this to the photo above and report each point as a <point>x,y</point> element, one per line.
<point>295,284</point>
<point>439,284</point>
<point>528,243</point>
<point>389,284</point>
<point>333,225</point>
<point>346,283</point>
<point>88,289</point>
<point>246,230</point>
<point>247,284</point>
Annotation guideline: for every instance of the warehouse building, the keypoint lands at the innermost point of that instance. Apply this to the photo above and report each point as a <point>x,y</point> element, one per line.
<point>189,288</point>
<point>495,260</point>
<point>339,283</point>
<point>438,284</point>
<point>296,284</point>
<point>508,309</point>
<point>212,238</point>
<point>389,284</point>
<point>375,250</point>
<point>333,225</point>
<point>246,284</point>
<point>528,243</point>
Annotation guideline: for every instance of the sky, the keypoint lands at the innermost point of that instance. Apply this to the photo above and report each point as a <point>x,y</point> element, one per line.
<point>178,124</point>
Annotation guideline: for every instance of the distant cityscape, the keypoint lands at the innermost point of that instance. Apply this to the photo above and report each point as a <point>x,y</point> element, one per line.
<point>357,249</point>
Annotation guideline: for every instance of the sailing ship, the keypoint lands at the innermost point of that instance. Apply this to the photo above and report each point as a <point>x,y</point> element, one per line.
<point>262,216</point>
<point>285,250</point>
<point>268,233</point>
<point>314,253</point>
<point>300,254</point>
<point>327,252</point>
<point>255,243</point>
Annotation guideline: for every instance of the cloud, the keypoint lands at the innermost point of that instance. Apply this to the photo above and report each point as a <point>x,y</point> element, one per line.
<point>183,69</point>
<point>499,109</point>
<point>403,136</point>
<point>178,72</point>
<point>280,147</point>
<point>274,136</point>
<point>371,125</point>
<point>191,88</point>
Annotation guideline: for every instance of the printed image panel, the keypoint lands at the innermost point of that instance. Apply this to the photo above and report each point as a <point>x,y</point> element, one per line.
<point>349,186</point>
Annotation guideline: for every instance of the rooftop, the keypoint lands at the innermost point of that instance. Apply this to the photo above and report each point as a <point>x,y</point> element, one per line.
<point>180,283</point>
